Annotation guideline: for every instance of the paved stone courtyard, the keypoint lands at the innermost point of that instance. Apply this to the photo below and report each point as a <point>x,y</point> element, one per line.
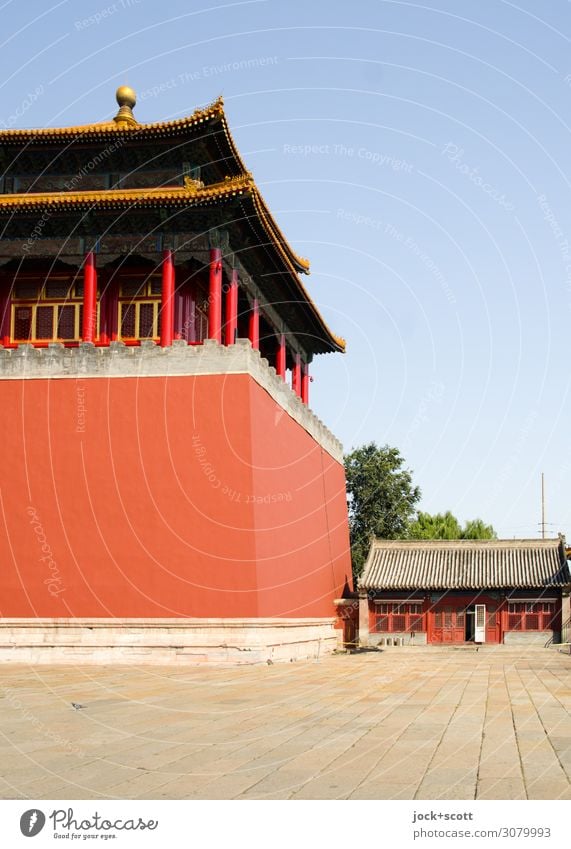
<point>403,724</point>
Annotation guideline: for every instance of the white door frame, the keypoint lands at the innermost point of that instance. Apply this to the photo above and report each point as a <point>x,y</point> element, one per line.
<point>480,623</point>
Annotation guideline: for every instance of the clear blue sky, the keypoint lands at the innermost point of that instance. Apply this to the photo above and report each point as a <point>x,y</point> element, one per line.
<point>419,156</point>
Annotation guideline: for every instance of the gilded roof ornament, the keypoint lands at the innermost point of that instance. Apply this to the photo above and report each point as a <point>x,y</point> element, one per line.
<point>126,98</point>
<point>246,179</point>
<point>192,185</point>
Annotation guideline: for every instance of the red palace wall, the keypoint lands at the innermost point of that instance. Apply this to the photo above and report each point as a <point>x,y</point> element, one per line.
<point>182,496</point>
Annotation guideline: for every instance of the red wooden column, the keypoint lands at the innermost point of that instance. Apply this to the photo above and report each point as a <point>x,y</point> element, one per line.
<point>305,383</point>
<point>254,326</point>
<point>232,310</point>
<point>215,296</point>
<point>281,357</point>
<point>296,375</point>
<point>502,618</point>
<point>89,298</point>
<point>5,311</point>
<point>167,300</point>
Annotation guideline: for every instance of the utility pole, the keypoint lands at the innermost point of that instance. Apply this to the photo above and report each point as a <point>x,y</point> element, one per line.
<point>542,506</point>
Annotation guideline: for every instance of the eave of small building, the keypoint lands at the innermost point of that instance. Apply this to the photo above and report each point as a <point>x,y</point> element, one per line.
<point>465,564</point>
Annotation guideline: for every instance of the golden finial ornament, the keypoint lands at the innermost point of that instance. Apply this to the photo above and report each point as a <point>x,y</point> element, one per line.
<point>126,98</point>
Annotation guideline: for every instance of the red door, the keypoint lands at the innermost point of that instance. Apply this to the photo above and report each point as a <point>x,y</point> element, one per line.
<point>349,633</point>
<point>449,624</point>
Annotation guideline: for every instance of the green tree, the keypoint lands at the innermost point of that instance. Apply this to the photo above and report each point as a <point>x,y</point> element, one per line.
<point>439,526</point>
<point>447,526</point>
<point>477,529</point>
<point>380,496</point>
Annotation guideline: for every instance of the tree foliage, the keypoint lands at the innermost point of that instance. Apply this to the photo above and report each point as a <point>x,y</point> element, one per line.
<point>382,499</point>
<point>438,526</point>
<point>447,526</point>
<point>477,529</point>
<point>380,496</point>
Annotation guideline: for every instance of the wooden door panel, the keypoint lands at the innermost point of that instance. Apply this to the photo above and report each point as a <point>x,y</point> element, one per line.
<point>449,624</point>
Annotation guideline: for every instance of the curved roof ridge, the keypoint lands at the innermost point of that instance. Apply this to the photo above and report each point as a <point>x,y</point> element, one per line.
<point>465,564</point>
<point>240,181</point>
<point>464,543</point>
<point>26,199</point>
<point>201,113</point>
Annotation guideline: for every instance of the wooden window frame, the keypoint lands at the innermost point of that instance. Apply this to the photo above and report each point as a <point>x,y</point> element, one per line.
<point>74,299</point>
<point>137,303</point>
<point>399,617</point>
<point>521,615</point>
<point>144,296</point>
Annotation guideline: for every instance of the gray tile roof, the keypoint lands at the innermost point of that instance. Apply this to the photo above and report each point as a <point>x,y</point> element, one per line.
<point>465,564</point>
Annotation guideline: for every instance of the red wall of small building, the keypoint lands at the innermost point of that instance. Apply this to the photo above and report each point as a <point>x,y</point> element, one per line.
<point>461,601</point>
<point>165,497</point>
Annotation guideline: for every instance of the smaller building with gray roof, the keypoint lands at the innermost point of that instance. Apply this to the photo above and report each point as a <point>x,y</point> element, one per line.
<point>465,591</point>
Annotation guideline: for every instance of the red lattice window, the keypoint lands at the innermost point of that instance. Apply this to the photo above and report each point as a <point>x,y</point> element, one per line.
<point>140,308</point>
<point>22,322</point>
<point>46,311</point>
<point>128,320</point>
<point>397,616</point>
<point>132,288</point>
<point>57,289</point>
<point>66,326</point>
<point>44,322</point>
<point>530,616</point>
<point>146,321</point>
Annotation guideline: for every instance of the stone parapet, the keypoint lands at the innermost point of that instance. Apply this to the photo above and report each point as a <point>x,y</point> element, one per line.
<point>165,641</point>
<point>150,360</point>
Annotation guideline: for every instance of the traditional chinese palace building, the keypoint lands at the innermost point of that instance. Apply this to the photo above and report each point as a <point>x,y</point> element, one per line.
<point>462,591</point>
<point>167,491</point>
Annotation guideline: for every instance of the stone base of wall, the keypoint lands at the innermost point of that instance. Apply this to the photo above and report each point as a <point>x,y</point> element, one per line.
<point>165,641</point>
<point>380,638</point>
<point>527,638</point>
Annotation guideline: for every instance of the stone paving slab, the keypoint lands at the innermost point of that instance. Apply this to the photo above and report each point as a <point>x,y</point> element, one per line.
<point>398,724</point>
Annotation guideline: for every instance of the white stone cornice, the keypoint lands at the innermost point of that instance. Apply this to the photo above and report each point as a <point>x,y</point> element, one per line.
<point>150,360</point>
